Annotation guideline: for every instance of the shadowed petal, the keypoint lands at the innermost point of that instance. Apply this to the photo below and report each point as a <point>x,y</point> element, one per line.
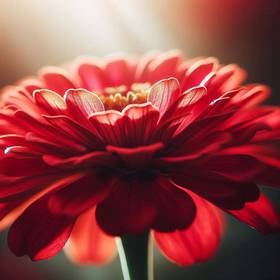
<point>22,166</point>
<point>223,193</point>
<point>37,233</point>
<point>233,167</point>
<point>130,208</point>
<point>176,209</point>
<point>80,195</point>
<point>136,157</point>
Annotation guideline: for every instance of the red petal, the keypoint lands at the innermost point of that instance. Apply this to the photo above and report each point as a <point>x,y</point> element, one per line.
<point>254,96</point>
<point>198,71</point>
<point>23,166</point>
<point>108,126</point>
<point>42,131</point>
<point>130,209</point>
<point>82,103</point>
<point>227,78</point>
<point>6,208</point>
<point>16,98</point>
<point>11,210</point>
<point>245,134</point>
<point>233,167</point>
<point>268,156</point>
<point>117,72</point>
<point>93,159</point>
<point>92,76</point>
<point>80,195</point>
<point>88,244</point>
<point>176,209</point>
<point>37,233</point>
<point>56,79</point>
<point>28,186</point>
<point>191,96</point>
<point>140,122</point>
<point>195,148</point>
<point>223,193</point>
<point>197,243</point>
<point>30,84</point>
<point>50,102</point>
<point>135,126</point>
<point>163,94</point>
<point>136,157</point>
<point>259,214</point>
<point>143,67</point>
<point>185,110</point>
<point>73,130</point>
<point>164,66</point>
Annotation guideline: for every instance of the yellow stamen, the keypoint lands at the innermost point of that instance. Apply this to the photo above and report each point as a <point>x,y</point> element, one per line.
<point>116,98</point>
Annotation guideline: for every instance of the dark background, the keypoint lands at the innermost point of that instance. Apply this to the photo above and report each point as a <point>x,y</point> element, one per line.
<point>35,33</point>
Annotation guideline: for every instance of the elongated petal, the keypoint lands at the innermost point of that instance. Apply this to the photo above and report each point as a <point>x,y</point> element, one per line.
<point>80,195</point>
<point>37,233</point>
<point>82,103</point>
<point>108,126</point>
<point>184,111</point>
<point>197,243</point>
<point>196,148</point>
<point>88,244</point>
<point>227,78</point>
<point>198,71</point>
<point>93,159</point>
<point>259,214</point>
<point>268,156</point>
<point>140,122</point>
<point>72,130</point>
<point>233,167</point>
<point>23,166</point>
<point>223,193</point>
<point>27,188</point>
<point>163,94</point>
<point>49,101</point>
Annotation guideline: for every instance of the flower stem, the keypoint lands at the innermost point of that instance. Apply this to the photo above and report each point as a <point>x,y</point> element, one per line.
<point>136,256</point>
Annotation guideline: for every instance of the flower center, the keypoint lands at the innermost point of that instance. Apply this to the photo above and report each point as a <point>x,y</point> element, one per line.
<point>117,98</point>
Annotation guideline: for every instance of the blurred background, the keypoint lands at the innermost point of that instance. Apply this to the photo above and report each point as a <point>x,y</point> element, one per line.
<point>35,33</point>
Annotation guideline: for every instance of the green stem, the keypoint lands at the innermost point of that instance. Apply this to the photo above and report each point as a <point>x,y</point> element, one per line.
<point>136,257</point>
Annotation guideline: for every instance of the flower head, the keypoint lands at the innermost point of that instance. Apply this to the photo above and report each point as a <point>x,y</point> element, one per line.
<point>123,145</point>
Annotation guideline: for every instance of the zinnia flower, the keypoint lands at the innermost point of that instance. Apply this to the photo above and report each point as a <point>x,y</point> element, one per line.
<point>122,146</point>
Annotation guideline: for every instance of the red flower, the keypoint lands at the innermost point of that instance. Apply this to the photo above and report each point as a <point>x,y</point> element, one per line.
<point>152,143</point>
